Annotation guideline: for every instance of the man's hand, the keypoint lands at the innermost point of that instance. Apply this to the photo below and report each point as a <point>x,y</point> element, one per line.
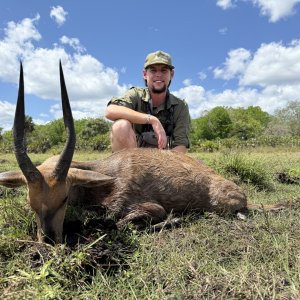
<point>159,132</point>
<point>115,112</point>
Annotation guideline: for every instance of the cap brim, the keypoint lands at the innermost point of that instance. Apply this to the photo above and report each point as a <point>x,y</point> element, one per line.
<point>159,63</point>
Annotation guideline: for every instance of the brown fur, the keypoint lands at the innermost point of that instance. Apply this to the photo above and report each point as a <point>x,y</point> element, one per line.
<point>135,185</point>
<point>150,183</point>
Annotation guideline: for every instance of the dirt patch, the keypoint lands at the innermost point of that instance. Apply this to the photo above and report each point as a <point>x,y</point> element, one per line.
<point>10,192</point>
<point>283,177</point>
<point>99,244</point>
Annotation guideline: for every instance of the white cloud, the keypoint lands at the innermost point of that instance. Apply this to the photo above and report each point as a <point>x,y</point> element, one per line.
<point>225,4</point>
<point>268,78</point>
<point>269,98</point>
<point>90,84</point>
<point>200,100</point>
<point>202,75</point>
<point>273,9</point>
<point>187,82</point>
<point>17,43</point>
<point>39,121</point>
<point>123,70</point>
<point>223,31</point>
<point>235,64</point>
<point>72,42</point>
<point>271,64</point>
<point>276,9</point>
<point>274,64</point>
<point>58,14</point>
<point>195,96</point>
<point>7,112</point>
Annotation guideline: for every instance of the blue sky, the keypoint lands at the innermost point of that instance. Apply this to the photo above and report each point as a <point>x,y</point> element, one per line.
<point>226,52</point>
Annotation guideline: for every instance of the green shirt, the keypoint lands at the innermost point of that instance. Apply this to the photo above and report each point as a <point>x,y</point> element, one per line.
<point>138,99</point>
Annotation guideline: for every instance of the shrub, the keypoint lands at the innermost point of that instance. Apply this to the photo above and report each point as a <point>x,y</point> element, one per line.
<point>209,146</point>
<point>294,172</point>
<point>245,170</point>
<point>99,142</point>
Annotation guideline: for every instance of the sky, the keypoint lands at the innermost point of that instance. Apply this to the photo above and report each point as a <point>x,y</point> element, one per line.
<point>233,53</point>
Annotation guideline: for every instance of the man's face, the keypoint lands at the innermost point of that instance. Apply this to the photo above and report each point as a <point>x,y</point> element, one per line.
<point>158,77</point>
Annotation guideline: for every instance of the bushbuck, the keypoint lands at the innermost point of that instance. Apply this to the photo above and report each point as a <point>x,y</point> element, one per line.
<point>135,185</point>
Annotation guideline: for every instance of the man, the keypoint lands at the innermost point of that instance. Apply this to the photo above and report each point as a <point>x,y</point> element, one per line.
<point>151,116</point>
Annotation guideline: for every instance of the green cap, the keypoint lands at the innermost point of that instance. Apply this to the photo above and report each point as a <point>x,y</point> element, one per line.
<point>158,57</point>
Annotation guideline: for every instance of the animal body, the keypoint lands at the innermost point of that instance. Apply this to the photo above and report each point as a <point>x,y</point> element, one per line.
<point>148,184</point>
<point>134,184</point>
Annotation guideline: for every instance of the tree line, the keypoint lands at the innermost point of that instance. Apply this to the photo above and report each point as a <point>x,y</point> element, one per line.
<point>220,127</point>
<point>91,134</point>
<point>247,126</point>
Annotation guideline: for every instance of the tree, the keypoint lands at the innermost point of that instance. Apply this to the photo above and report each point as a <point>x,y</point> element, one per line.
<point>28,125</point>
<point>290,115</point>
<point>248,123</point>
<point>277,127</point>
<point>256,113</point>
<point>94,127</point>
<point>215,124</point>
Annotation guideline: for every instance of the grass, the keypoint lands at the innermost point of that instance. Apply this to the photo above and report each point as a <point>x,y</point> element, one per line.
<point>206,257</point>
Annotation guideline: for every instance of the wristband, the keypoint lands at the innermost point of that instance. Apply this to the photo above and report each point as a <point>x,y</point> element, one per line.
<point>148,118</point>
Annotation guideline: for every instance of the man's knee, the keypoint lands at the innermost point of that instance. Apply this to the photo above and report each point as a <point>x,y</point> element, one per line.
<point>122,135</point>
<point>121,127</point>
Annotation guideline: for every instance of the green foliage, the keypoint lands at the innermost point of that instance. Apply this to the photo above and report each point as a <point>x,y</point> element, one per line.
<point>248,123</point>
<point>99,142</point>
<point>231,143</point>
<point>6,142</point>
<point>290,117</point>
<point>294,172</point>
<point>245,130</point>
<point>277,128</point>
<point>246,170</point>
<point>278,141</point>
<point>28,125</point>
<point>92,134</point>
<point>225,123</point>
<point>209,146</point>
<point>222,127</point>
<point>215,124</point>
<point>94,127</point>
<point>255,112</point>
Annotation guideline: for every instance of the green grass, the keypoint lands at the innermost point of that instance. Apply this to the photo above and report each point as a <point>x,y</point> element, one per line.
<point>206,257</point>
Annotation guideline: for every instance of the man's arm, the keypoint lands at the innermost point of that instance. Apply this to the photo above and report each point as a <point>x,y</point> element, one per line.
<point>115,112</point>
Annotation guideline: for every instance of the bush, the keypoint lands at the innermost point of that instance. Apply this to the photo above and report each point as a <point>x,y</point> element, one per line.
<point>294,172</point>
<point>242,169</point>
<point>91,134</point>
<point>209,146</point>
<point>231,143</point>
<point>100,142</point>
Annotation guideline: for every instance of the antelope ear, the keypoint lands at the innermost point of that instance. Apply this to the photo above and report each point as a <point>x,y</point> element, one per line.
<point>12,179</point>
<point>88,178</point>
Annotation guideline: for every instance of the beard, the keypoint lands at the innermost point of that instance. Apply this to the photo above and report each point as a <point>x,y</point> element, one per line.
<point>160,90</point>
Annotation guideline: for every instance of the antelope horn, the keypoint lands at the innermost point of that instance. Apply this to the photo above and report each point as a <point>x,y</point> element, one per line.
<point>61,170</point>
<point>29,170</point>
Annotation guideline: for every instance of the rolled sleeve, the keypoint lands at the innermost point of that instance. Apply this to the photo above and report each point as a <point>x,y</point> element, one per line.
<point>127,100</point>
